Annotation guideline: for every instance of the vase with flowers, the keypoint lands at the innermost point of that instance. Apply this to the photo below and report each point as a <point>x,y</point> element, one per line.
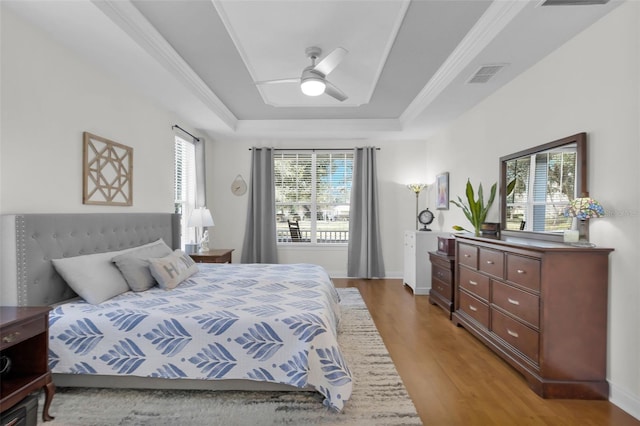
<point>475,209</point>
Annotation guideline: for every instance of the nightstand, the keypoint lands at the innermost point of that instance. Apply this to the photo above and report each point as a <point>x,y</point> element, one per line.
<point>213,256</point>
<point>24,338</point>
<point>442,279</point>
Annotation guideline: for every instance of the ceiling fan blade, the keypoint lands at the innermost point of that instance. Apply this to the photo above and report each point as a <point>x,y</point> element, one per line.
<point>334,92</point>
<point>331,61</point>
<point>280,80</point>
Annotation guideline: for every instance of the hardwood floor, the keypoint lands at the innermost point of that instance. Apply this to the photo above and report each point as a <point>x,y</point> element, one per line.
<point>453,379</point>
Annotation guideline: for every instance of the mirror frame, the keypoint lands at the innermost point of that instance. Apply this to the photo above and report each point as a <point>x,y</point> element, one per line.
<point>580,139</point>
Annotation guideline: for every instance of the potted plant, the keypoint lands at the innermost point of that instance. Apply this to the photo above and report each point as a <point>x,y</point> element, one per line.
<point>475,210</point>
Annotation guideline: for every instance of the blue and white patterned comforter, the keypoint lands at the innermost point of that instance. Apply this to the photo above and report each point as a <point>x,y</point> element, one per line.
<point>273,323</point>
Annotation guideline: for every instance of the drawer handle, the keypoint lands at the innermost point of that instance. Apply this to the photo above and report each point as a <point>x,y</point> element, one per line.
<point>512,333</point>
<point>473,308</point>
<point>489,262</point>
<point>467,255</point>
<point>513,302</point>
<point>520,271</point>
<point>11,337</point>
<point>473,282</point>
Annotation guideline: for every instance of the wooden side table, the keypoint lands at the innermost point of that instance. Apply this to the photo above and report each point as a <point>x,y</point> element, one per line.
<point>24,338</point>
<point>213,256</point>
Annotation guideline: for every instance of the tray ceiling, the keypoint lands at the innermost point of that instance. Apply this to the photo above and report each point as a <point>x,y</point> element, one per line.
<point>406,74</point>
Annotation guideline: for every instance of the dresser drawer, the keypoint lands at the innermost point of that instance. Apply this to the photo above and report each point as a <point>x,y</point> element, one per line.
<point>474,283</point>
<point>491,262</point>
<point>516,334</point>
<point>521,304</point>
<point>409,239</point>
<point>440,273</point>
<point>475,308</point>
<point>21,331</point>
<point>524,271</point>
<point>468,255</point>
<point>442,288</point>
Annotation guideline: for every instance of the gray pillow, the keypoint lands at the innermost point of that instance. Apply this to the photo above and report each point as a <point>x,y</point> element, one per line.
<point>134,264</point>
<point>172,270</point>
<point>93,277</point>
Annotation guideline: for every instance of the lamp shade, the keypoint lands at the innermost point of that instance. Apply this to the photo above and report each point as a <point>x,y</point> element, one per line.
<point>416,187</point>
<point>584,208</point>
<point>313,86</point>
<point>200,218</point>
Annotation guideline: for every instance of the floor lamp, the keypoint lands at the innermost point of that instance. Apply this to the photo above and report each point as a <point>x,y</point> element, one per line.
<point>417,187</point>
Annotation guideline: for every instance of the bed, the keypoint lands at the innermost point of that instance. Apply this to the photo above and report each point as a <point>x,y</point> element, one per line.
<point>227,326</point>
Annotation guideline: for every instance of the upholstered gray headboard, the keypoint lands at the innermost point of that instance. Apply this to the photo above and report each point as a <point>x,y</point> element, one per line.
<point>30,241</point>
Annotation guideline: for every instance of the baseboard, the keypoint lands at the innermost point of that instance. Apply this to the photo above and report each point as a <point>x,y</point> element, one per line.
<point>624,400</point>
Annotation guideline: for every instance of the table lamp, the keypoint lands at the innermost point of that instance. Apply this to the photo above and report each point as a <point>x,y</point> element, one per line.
<point>201,218</point>
<point>581,210</point>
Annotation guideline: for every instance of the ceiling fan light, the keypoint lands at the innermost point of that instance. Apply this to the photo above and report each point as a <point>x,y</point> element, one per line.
<point>312,86</point>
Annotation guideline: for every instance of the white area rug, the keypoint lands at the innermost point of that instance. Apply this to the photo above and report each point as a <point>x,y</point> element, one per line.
<point>379,396</point>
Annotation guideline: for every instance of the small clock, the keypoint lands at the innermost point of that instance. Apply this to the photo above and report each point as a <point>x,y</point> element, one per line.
<point>238,186</point>
<point>425,217</point>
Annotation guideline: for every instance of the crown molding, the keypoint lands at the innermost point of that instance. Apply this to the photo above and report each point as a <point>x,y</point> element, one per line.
<point>126,16</point>
<point>493,21</point>
<point>317,127</point>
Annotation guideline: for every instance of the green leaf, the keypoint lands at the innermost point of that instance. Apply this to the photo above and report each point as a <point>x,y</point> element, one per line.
<point>475,210</point>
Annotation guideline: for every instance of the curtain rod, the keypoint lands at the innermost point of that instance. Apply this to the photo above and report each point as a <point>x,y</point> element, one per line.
<point>313,149</point>
<point>176,126</point>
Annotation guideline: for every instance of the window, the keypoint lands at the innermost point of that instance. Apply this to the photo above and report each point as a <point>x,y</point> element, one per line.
<point>185,184</point>
<point>314,190</point>
<point>552,177</point>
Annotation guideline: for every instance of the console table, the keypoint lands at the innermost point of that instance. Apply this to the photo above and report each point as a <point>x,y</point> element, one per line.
<point>541,306</point>
<point>24,338</point>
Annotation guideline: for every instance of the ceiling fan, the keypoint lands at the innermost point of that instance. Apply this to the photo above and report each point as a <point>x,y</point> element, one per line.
<point>313,80</point>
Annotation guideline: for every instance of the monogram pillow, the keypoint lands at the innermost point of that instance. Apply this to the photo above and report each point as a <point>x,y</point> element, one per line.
<point>171,270</point>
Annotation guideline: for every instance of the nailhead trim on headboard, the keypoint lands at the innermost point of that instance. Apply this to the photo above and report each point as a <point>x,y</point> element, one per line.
<point>42,237</point>
<point>21,260</point>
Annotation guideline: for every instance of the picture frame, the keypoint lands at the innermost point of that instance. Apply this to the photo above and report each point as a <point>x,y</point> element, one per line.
<point>442,191</point>
<point>107,172</point>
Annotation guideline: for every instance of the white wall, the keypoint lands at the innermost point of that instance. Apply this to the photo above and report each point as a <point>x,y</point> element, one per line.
<point>590,84</point>
<point>399,163</point>
<point>49,97</point>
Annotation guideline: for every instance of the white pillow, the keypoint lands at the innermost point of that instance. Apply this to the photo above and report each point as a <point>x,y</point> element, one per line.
<point>172,270</point>
<point>93,277</point>
<point>134,264</point>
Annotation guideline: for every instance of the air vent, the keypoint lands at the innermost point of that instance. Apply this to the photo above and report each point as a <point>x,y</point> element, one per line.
<point>573,2</point>
<point>485,73</point>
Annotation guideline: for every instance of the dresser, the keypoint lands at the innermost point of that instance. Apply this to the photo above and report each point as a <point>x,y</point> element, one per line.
<point>417,268</point>
<point>541,306</point>
<point>442,280</point>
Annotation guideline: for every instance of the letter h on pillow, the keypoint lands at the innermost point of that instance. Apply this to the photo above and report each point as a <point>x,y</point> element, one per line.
<point>171,270</point>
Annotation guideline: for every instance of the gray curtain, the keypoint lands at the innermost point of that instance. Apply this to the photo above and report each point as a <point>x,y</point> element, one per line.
<point>365,248</point>
<point>260,231</point>
<point>201,179</point>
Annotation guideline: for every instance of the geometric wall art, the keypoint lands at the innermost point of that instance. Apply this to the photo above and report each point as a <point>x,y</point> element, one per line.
<point>108,172</point>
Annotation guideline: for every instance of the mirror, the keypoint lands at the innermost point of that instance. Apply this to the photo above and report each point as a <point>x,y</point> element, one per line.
<point>540,182</point>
